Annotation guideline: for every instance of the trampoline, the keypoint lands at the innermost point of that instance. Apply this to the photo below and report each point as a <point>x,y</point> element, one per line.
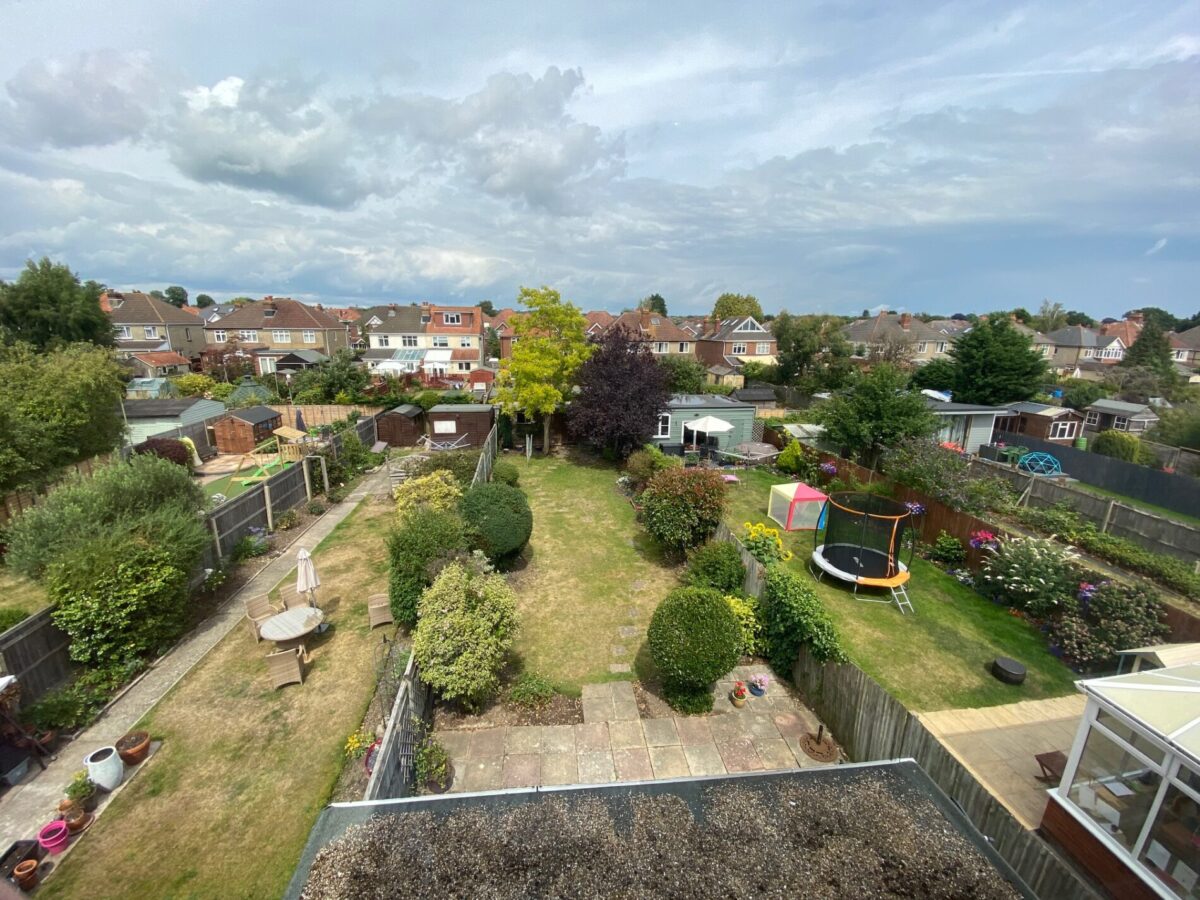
<point>863,544</point>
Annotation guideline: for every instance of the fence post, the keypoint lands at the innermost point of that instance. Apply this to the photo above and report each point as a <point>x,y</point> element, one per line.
<point>307,477</point>
<point>324,473</point>
<point>216,538</point>
<point>267,503</point>
<point>1108,515</point>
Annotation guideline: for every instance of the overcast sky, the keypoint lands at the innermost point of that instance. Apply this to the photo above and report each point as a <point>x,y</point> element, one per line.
<point>824,157</point>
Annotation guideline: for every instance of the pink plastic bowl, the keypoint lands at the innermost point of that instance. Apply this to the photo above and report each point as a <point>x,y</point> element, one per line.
<point>54,837</point>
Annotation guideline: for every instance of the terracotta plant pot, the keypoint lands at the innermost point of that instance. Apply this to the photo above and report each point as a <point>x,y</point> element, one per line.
<point>134,747</point>
<point>69,807</point>
<point>26,874</point>
<point>737,701</point>
<point>77,819</point>
<point>55,836</point>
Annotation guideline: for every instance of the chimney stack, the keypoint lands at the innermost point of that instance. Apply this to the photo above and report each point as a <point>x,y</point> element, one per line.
<point>1137,318</point>
<point>905,320</point>
<point>645,318</point>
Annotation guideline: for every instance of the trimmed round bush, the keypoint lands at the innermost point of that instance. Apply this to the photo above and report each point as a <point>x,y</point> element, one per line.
<point>682,507</point>
<point>1123,445</point>
<point>499,518</point>
<point>505,473</point>
<point>694,639</point>
<point>716,565</point>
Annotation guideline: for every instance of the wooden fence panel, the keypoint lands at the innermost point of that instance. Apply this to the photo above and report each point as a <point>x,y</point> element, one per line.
<point>35,651</point>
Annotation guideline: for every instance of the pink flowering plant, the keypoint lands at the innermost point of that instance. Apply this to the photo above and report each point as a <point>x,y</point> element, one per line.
<point>760,681</point>
<point>984,540</point>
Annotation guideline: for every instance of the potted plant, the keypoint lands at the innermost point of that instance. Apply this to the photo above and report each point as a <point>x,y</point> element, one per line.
<point>738,695</point>
<point>133,747</point>
<point>432,766</point>
<point>26,874</point>
<point>758,684</point>
<point>81,792</point>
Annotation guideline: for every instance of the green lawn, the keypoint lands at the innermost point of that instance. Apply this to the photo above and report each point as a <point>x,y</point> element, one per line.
<point>20,593</point>
<point>937,658</point>
<point>590,571</point>
<point>231,485</point>
<point>1139,504</point>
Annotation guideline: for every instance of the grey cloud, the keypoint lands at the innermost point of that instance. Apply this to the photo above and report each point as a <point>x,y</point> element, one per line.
<point>95,98</point>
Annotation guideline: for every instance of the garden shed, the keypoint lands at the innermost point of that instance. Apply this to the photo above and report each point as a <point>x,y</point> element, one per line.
<point>244,429</point>
<point>167,418</point>
<point>463,424</point>
<point>685,408</point>
<point>400,427</point>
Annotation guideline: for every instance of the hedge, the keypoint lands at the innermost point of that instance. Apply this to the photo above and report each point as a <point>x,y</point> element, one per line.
<point>417,549</point>
<point>791,617</point>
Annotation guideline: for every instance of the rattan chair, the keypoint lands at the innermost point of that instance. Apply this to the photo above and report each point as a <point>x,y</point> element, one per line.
<point>286,667</point>
<point>291,599</point>
<point>380,610</point>
<point>258,610</point>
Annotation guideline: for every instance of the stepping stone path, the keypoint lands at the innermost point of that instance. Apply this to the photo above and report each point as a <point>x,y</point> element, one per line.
<point>615,744</point>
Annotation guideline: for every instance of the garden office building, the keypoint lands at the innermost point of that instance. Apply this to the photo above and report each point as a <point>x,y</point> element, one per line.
<point>1128,806</point>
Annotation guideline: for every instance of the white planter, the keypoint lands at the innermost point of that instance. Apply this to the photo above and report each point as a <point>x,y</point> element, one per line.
<point>105,768</point>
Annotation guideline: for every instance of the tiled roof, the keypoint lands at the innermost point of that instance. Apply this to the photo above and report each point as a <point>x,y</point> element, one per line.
<point>599,317</point>
<point>465,355</point>
<point>651,327</point>
<point>162,358</point>
<point>136,308</point>
<point>500,318</point>
<point>1073,336</point>
<point>395,319</point>
<point>288,313</point>
<point>255,415</point>
<point>1121,408</point>
<point>344,313</point>
<point>887,326</point>
<point>727,330</point>
<point>1189,338</point>
<point>469,319</point>
<point>1127,330</point>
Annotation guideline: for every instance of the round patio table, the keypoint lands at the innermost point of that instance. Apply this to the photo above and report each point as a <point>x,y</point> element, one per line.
<point>289,628</point>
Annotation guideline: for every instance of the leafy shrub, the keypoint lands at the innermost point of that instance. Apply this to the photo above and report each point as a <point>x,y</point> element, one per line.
<point>682,507</point>
<point>694,639</point>
<point>499,519</point>
<point>505,473</point>
<point>1107,618</point>
<point>417,549</point>
<point>437,490</point>
<point>644,464</point>
<point>166,448</point>
<point>798,460</point>
<point>431,763</point>
<point>531,691</point>
<point>427,400</point>
<point>465,629</point>
<point>287,521</point>
<point>1123,445</point>
<point>119,598</point>
<point>792,617</point>
<point>745,610</point>
<point>948,550</point>
<point>1030,574</point>
<point>315,508</point>
<point>687,700</point>
<point>460,462</point>
<point>146,495</point>
<point>764,543</point>
<point>924,465</point>
<point>716,565</point>
<point>10,617</point>
<point>251,545</point>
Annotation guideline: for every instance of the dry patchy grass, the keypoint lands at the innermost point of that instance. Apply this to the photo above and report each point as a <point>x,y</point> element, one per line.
<point>17,592</point>
<point>224,808</point>
<point>590,569</point>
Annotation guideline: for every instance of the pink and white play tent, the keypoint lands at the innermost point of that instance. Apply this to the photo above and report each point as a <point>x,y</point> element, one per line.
<point>796,506</point>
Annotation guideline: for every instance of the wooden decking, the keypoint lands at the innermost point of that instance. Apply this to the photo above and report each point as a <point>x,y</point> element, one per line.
<point>998,743</point>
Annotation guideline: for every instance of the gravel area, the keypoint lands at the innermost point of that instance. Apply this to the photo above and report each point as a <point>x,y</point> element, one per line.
<point>865,834</point>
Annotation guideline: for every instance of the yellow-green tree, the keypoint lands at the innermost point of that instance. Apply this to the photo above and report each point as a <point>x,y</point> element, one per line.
<point>550,344</point>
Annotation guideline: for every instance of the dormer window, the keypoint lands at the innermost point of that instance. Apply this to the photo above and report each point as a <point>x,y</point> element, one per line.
<point>268,312</point>
<point>452,318</point>
<point>749,325</point>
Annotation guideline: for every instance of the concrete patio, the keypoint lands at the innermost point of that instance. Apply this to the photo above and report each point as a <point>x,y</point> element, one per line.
<point>615,744</point>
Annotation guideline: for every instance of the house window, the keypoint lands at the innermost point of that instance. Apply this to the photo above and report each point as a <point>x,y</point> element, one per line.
<point>1092,419</point>
<point>444,426</point>
<point>151,332</point>
<point>187,334</point>
<point>464,367</point>
<point>1120,423</point>
<point>664,426</point>
<point>922,346</point>
<point>1179,355</point>
<point>407,340</point>
<point>266,364</point>
<point>749,325</point>
<point>1047,349</point>
<point>310,337</point>
<point>762,349</point>
<point>1063,431</point>
<point>464,342</point>
<point>281,337</point>
<point>452,318</point>
<point>1088,353</point>
<point>383,340</point>
<point>248,334</point>
<point>660,347</point>
<point>440,340</point>
<point>739,349</point>
<point>941,347</point>
<point>122,332</point>
<point>219,337</point>
<point>683,347</point>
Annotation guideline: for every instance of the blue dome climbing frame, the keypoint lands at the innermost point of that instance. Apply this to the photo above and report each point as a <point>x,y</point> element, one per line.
<point>1038,463</point>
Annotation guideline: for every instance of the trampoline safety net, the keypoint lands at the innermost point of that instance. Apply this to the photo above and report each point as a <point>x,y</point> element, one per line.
<point>864,533</point>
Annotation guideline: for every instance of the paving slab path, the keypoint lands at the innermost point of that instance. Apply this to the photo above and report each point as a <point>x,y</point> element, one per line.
<point>33,802</point>
<point>614,743</point>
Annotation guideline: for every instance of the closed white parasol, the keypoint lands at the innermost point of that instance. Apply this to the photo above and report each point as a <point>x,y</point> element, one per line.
<point>307,581</point>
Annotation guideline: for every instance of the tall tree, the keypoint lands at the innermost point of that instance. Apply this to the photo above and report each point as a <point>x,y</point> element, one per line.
<point>730,305</point>
<point>1079,394</point>
<point>994,363</point>
<point>1022,315</point>
<point>1165,320</point>
<point>685,374</point>
<point>203,301</point>
<point>1076,317</point>
<point>875,412</point>
<point>654,303</point>
<point>1151,350</point>
<point>935,375</point>
<point>48,307</point>
<point>551,344</point>
<point>487,307</point>
<point>176,296</point>
<point>1050,317</point>
<point>158,295</point>
<point>622,392</point>
<point>59,407</point>
<point>813,353</point>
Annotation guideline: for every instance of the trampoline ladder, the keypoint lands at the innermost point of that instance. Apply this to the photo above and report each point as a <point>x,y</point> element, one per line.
<point>900,595</point>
